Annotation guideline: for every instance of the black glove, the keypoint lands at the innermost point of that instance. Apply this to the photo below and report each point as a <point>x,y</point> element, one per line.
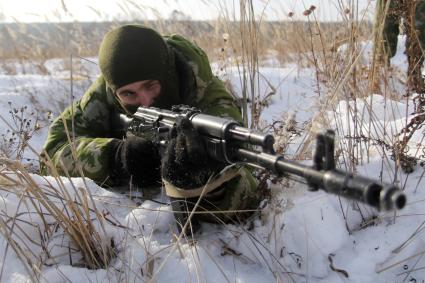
<point>185,163</point>
<point>136,159</point>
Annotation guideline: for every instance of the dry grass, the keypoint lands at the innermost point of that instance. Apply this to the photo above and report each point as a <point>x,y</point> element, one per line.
<point>41,41</point>
<point>44,209</point>
<point>340,75</point>
<point>75,215</point>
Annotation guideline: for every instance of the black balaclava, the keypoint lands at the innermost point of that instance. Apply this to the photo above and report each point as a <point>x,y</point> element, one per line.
<point>132,53</point>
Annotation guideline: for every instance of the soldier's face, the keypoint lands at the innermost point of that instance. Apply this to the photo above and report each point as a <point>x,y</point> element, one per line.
<point>141,93</point>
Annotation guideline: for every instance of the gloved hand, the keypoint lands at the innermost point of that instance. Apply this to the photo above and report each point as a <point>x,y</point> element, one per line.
<point>137,159</point>
<point>185,163</point>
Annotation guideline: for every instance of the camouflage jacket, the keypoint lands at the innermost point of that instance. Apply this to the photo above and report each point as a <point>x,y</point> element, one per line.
<point>79,140</point>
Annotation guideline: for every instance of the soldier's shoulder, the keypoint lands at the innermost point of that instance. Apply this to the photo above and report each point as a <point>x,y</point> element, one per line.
<point>182,43</point>
<point>188,48</point>
<point>194,55</point>
<point>95,93</point>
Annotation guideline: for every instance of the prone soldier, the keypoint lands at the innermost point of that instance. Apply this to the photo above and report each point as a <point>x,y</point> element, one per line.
<point>139,67</point>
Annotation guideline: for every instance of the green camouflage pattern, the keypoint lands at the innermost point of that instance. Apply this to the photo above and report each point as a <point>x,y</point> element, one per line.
<point>420,22</point>
<point>392,21</point>
<point>79,140</point>
<point>391,26</point>
<point>240,194</point>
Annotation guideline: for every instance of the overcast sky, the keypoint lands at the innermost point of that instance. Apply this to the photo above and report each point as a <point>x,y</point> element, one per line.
<point>99,10</point>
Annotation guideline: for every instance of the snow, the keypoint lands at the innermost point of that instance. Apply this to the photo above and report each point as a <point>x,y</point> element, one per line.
<point>298,237</point>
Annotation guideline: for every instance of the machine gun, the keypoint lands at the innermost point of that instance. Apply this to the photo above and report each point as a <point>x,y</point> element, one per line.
<point>226,140</point>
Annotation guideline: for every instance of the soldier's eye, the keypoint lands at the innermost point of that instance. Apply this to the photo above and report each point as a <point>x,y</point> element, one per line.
<point>126,94</point>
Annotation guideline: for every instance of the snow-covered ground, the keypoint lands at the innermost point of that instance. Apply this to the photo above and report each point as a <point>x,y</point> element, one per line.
<point>300,237</point>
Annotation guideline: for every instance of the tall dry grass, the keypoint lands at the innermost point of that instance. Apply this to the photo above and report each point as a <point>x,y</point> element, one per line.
<point>334,51</point>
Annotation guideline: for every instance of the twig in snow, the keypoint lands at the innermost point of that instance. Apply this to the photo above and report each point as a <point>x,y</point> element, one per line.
<point>331,265</point>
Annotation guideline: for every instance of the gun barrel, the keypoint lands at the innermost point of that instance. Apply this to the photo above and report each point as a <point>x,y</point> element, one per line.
<point>379,195</point>
<point>253,137</point>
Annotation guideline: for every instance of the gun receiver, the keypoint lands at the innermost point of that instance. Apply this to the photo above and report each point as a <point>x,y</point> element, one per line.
<point>226,140</point>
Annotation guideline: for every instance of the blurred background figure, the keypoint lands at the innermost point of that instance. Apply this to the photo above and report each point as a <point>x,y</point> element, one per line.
<point>392,17</point>
<point>390,14</point>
